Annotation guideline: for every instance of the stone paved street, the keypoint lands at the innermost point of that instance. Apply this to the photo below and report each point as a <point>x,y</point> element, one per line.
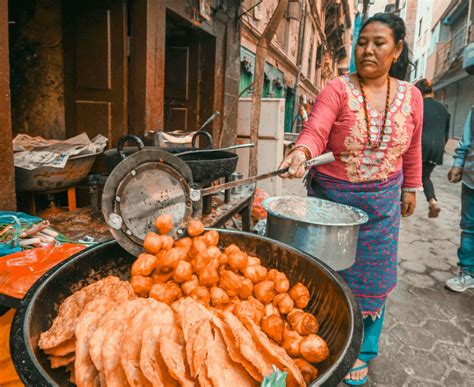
<point>428,336</point>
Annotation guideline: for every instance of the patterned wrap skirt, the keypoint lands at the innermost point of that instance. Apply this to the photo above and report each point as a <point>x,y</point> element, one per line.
<point>374,273</point>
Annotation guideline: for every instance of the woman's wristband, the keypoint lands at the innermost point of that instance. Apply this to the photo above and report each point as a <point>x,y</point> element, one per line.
<point>304,149</point>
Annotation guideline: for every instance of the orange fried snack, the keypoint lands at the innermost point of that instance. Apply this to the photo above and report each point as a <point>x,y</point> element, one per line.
<point>276,354</point>
<point>247,345</point>
<point>86,373</point>
<point>160,321</point>
<point>221,370</point>
<point>64,324</point>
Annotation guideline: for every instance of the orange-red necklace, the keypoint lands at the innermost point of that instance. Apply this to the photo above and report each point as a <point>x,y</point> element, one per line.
<point>370,143</point>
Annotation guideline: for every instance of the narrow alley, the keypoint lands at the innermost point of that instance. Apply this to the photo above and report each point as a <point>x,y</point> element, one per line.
<point>428,337</point>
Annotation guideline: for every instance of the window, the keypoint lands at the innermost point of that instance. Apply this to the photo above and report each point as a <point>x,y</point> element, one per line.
<point>420,25</point>
<point>415,71</point>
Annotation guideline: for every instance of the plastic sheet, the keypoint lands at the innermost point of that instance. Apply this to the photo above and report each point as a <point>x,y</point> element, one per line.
<point>19,271</point>
<point>10,240</point>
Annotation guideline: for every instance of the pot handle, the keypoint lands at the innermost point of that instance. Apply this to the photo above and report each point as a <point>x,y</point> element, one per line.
<point>201,133</point>
<point>129,137</point>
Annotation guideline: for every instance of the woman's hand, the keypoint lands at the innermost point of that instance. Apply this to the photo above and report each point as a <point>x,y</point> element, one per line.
<point>408,203</point>
<point>295,161</point>
<point>455,175</point>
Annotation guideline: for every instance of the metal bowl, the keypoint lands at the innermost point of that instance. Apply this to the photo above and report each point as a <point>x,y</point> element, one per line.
<point>52,179</point>
<point>331,301</point>
<point>321,228</point>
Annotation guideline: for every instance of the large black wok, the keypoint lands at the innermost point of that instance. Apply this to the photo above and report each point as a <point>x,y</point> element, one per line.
<point>205,165</point>
<point>331,301</point>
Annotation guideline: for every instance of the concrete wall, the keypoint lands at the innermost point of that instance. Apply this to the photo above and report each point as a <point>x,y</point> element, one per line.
<point>36,59</point>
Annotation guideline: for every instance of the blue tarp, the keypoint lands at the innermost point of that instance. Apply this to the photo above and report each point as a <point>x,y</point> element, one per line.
<point>17,220</point>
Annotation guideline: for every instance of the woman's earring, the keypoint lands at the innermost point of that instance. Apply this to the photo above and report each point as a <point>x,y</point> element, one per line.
<point>395,60</point>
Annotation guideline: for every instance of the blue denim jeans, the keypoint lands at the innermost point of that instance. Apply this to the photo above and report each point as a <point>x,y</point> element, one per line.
<point>466,249</point>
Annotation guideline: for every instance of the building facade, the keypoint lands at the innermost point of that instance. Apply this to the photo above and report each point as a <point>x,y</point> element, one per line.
<point>421,34</point>
<point>453,85</point>
<point>312,46</point>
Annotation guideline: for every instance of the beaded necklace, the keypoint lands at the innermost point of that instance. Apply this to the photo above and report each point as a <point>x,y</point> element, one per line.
<point>371,144</point>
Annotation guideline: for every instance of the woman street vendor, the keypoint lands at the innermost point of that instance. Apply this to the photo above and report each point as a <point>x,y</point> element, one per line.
<point>372,122</point>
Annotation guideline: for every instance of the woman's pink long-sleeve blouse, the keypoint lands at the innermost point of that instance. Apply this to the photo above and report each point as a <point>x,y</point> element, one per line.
<point>337,124</point>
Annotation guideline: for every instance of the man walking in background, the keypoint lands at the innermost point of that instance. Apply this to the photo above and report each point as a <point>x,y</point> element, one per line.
<point>463,169</point>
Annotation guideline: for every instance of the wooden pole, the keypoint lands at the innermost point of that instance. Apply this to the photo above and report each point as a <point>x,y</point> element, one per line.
<point>262,51</point>
<point>7,177</point>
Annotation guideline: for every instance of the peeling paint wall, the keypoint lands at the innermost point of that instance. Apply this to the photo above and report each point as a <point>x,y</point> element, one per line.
<point>36,63</point>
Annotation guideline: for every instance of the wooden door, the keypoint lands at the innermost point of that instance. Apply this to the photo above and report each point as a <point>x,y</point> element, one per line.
<point>95,67</point>
<point>181,81</point>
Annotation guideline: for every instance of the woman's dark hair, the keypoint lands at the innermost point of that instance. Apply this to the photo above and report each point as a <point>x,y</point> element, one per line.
<point>400,68</point>
<point>425,86</point>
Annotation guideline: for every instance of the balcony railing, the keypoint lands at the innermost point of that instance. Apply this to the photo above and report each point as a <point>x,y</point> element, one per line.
<point>457,42</point>
<point>442,58</point>
<point>446,52</point>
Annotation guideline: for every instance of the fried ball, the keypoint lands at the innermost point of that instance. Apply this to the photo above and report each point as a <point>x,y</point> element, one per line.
<point>291,343</point>
<point>274,327</point>
<point>190,285</point>
<point>160,278</point>
<point>169,261</point>
<point>144,265</point>
<point>255,273</point>
<point>300,295</point>
<point>167,293</point>
<point>183,272</point>
<point>314,349</point>
<point>294,315</point>
<point>152,243</point>
<point>223,260</point>
<point>200,261</point>
<point>164,223</point>
<point>302,322</point>
<point>167,242</point>
<point>282,285</point>
<point>307,370</point>
<point>201,294</point>
<point>211,238</point>
<point>208,276</point>
<point>141,285</point>
<point>237,260</point>
<point>271,309</point>
<point>184,243</point>
<point>257,305</point>
<point>252,261</point>
<point>230,282</point>
<point>284,302</point>
<point>198,247</point>
<point>213,252</point>
<point>219,296</point>
<point>195,228</point>
<point>231,248</point>
<point>246,288</point>
<point>264,291</point>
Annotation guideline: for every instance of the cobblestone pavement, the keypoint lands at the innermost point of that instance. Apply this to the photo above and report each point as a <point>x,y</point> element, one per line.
<point>428,335</point>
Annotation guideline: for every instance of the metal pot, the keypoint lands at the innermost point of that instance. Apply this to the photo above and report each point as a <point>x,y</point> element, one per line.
<point>54,179</point>
<point>331,300</point>
<point>321,228</point>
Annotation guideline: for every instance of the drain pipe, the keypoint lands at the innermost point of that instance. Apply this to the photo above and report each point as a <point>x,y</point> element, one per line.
<point>299,59</point>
